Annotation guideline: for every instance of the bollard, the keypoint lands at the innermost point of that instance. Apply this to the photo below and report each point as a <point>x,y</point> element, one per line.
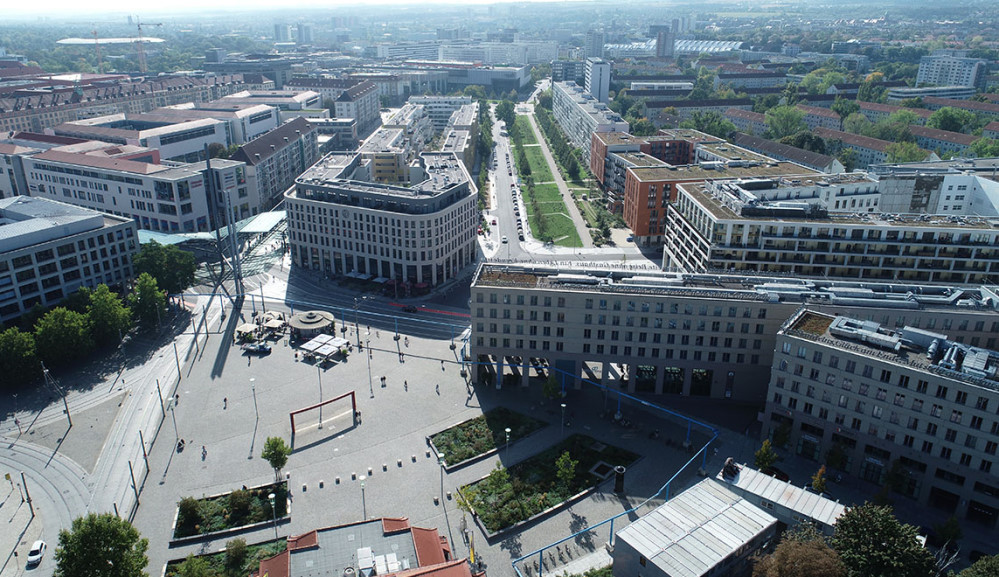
<point>304,487</point>
<point>399,462</point>
<point>384,467</point>
<point>353,476</point>
<point>428,453</point>
<point>370,470</point>
<point>336,481</point>
<point>619,479</point>
<point>437,500</point>
<point>449,495</point>
<point>321,483</point>
<point>414,458</point>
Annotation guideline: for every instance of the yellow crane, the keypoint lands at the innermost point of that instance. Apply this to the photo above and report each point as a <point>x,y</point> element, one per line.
<point>138,43</point>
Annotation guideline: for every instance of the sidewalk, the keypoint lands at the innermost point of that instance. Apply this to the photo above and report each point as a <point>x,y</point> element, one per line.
<point>18,533</point>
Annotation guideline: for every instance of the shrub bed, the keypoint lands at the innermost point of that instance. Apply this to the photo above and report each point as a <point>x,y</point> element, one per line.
<point>482,434</point>
<point>230,510</point>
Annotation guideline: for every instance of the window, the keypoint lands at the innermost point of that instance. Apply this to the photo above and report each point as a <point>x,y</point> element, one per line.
<point>956,416</point>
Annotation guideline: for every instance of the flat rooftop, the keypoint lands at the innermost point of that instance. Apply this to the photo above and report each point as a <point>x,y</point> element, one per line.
<point>384,140</point>
<point>639,159</point>
<point>696,172</point>
<point>918,348</point>
<point>27,221</point>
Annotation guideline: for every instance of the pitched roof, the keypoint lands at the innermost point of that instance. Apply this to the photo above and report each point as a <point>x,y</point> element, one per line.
<point>818,111</point>
<point>945,135</point>
<point>965,104</point>
<point>456,568</point>
<point>746,115</point>
<point>851,139</point>
<point>101,162</point>
<point>784,151</point>
<point>266,145</point>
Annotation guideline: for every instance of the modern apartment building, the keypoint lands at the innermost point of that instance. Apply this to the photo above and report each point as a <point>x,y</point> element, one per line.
<point>274,160</point>
<point>596,78</point>
<point>521,52</point>
<point>951,92</point>
<point>420,232</point>
<point>580,115</point>
<point>242,123</point>
<point>913,405</point>
<point>835,226</point>
<point>947,70</point>
<point>440,108</point>
<point>50,249</point>
<point>569,71</point>
<point>747,120</point>
<point>352,97</point>
<point>697,335</point>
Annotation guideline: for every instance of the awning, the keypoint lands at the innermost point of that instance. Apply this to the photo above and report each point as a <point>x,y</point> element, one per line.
<point>246,328</point>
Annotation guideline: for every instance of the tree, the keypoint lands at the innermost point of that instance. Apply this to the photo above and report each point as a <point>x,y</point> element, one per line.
<point>18,361</point>
<point>802,552</point>
<point>857,123</point>
<point>276,452</point>
<point>566,471</point>
<point>785,121</point>
<point>63,336</point>
<point>195,567</point>
<point>845,107</point>
<point>172,268</point>
<point>904,152</point>
<point>765,456</point>
<point>949,532</point>
<point>985,148</point>
<point>807,141</point>
<point>848,158</point>
<point>235,556</point>
<point>101,545</point>
<point>505,111</point>
<point>216,150</point>
<point>476,91</point>
<point>952,119</point>
<point>147,300</point>
<point>709,122</point>
<point>819,480</point>
<point>109,317</point>
<point>987,566</point>
<point>873,543</point>
<point>551,389</point>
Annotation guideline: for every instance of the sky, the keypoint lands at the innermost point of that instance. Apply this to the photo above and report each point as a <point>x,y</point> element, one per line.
<point>93,8</point>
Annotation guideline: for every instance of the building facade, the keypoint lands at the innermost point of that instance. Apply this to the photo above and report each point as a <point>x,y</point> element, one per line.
<point>274,160</point>
<point>50,249</point>
<point>896,403</point>
<point>580,115</point>
<point>596,78</point>
<point>341,222</point>
<point>947,70</point>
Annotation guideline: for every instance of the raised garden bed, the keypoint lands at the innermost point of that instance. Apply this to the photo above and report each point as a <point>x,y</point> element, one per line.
<point>532,488</point>
<point>227,511</point>
<point>216,562</point>
<point>476,438</point>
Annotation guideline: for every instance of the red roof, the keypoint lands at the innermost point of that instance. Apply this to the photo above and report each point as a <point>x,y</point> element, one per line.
<point>276,566</point>
<point>310,539</point>
<point>394,524</point>
<point>428,546</point>
<point>456,568</point>
<point>945,135</point>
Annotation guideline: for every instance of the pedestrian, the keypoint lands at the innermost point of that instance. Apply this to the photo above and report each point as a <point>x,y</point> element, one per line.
<point>442,364</point>
<point>176,399</point>
<point>437,388</point>
<point>405,385</point>
<point>225,403</point>
<point>204,452</point>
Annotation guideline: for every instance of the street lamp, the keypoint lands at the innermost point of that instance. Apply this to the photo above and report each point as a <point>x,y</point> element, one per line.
<point>319,372</point>
<point>563,421</point>
<point>508,442</point>
<point>357,303</point>
<point>440,461</point>
<point>371,387</point>
<point>364,506</point>
<point>253,389</point>
<point>271,498</point>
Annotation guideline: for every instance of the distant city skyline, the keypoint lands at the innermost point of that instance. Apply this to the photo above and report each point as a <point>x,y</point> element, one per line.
<point>66,9</point>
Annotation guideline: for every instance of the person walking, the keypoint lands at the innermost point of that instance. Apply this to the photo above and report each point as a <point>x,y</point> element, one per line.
<point>437,388</point>
<point>225,403</point>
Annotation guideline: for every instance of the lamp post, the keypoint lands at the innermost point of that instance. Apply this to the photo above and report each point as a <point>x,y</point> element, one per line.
<point>272,498</point>
<point>440,461</point>
<point>357,303</point>
<point>319,372</point>
<point>253,389</point>
<point>507,450</point>
<point>562,434</point>
<point>371,387</point>
<point>364,506</point>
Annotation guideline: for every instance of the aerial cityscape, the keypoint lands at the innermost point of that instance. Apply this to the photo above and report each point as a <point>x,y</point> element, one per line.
<point>579,289</point>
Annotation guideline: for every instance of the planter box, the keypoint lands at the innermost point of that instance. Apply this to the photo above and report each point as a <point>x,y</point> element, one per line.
<point>180,541</point>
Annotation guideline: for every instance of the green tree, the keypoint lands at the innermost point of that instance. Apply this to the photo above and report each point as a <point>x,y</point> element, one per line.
<point>819,480</point>
<point>765,456</point>
<point>172,268</point>
<point>147,300</point>
<point>806,140</point>
<point>101,545</point>
<point>949,531</point>
<point>985,148</point>
<point>848,158</point>
<point>505,111</point>
<point>802,552</point>
<point>195,567</point>
<point>952,119</point>
<point>216,150</point>
<point>551,389</point>
<point>904,152</point>
<point>63,336</point>
<point>109,317</point>
<point>785,121</point>
<point>565,471</point>
<point>18,361</point>
<point>276,453</point>
<point>235,556</point>
<point>873,543</point>
<point>857,123</point>
<point>642,127</point>
<point>189,514</point>
<point>987,566</point>
<point>476,91</point>
<point>845,107</point>
<point>711,123</point>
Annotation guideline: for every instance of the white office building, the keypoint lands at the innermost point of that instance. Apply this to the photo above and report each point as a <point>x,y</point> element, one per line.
<point>50,249</point>
<point>948,70</point>
<point>596,78</point>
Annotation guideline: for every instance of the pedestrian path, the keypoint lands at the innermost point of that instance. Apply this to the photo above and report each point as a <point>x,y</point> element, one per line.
<point>18,532</point>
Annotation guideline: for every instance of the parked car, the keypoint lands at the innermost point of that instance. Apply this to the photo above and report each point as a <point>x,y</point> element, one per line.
<point>410,309</point>
<point>257,348</point>
<point>504,240</point>
<point>36,553</point>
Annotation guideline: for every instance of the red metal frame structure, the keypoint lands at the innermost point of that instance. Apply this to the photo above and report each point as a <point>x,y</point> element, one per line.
<point>353,405</point>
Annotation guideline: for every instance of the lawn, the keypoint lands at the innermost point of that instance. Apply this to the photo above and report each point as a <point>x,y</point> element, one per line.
<point>509,496</point>
<point>482,434</point>
<point>230,510</point>
<point>217,562</point>
<point>526,132</point>
<point>543,193</point>
<point>539,168</point>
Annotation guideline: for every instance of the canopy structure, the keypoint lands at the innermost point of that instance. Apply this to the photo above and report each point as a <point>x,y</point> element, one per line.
<point>311,322</point>
<point>246,328</point>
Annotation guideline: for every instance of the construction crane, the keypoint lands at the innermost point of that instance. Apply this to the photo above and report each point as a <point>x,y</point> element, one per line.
<point>138,43</point>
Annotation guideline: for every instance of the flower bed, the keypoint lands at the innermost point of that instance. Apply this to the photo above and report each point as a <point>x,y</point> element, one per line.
<point>507,497</point>
<point>478,436</point>
<point>230,510</point>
